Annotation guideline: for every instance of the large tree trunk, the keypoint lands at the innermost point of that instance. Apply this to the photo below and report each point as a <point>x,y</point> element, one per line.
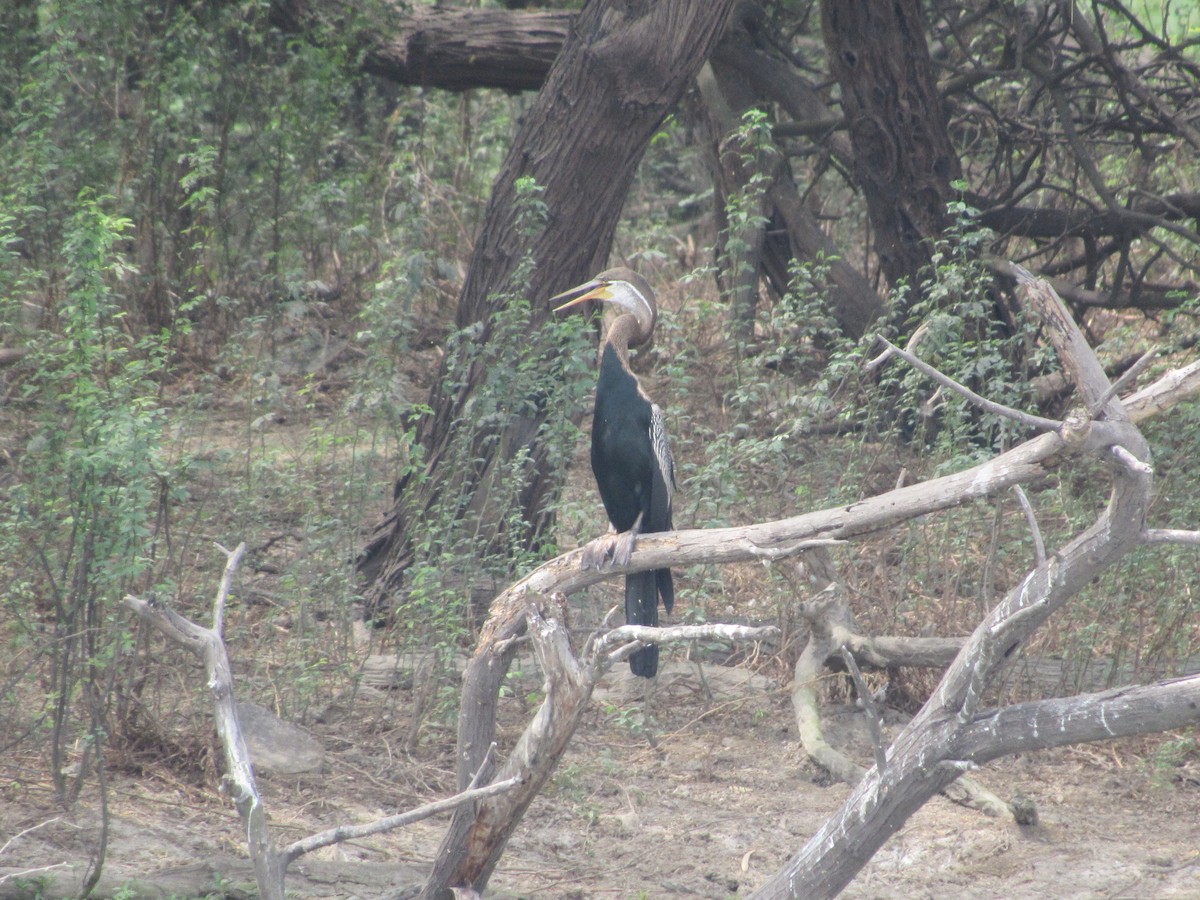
<point>903,159</point>
<point>621,70</point>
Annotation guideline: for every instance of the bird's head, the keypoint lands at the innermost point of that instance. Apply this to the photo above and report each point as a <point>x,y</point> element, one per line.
<point>620,291</point>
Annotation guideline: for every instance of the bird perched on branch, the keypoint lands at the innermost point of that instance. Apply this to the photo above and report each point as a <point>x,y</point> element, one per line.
<point>631,457</point>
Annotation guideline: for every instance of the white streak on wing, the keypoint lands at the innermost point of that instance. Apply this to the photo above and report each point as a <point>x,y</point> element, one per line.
<point>662,449</point>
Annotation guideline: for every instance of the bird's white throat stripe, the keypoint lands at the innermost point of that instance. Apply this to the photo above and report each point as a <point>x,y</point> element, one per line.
<point>640,299</point>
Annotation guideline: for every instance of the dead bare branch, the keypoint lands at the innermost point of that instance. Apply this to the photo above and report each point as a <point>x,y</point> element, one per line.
<point>867,699</point>
<point>389,823</point>
<point>1039,545</point>
<point>944,738</point>
<point>208,644</point>
<point>1170,536</point>
<point>1037,423</point>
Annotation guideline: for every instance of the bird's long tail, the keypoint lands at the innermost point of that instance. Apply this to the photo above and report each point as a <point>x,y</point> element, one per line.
<point>642,590</point>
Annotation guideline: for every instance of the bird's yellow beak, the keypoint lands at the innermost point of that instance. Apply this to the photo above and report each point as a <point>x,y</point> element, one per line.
<point>593,290</point>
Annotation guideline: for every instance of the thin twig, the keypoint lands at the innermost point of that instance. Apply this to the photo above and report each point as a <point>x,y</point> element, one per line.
<point>1131,373</point>
<point>1037,423</point>
<point>389,823</point>
<point>21,834</point>
<point>26,873</point>
<point>1039,545</point>
<point>1131,462</point>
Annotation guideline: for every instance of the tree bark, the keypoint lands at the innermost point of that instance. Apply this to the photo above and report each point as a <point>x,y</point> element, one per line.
<point>621,70</point>
<point>903,158</point>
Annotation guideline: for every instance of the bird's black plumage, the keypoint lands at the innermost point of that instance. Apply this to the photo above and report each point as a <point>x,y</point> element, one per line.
<point>631,457</point>
<point>633,487</point>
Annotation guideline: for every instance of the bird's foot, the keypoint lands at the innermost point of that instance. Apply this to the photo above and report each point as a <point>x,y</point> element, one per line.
<point>611,550</point>
<point>598,554</point>
<point>623,548</point>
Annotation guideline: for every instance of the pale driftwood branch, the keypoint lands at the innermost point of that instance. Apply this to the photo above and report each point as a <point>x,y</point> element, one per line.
<point>1039,545</point>
<point>633,637</point>
<point>834,632</point>
<point>270,865</point>
<point>473,845</point>
<point>20,834</point>
<point>239,773</point>
<point>1126,377</point>
<point>1127,459</point>
<point>867,699</point>
<point>932,750</point>
<point>475,841</point>
<point>1121,712</point>
<point>1037,423</point>
<point>1172,388</point>
<point>888,651</point>
<point>233,560</point>
<point>826,614</point>
<point>30,873</point>
<point>1170,536</point>
<point>785,537</point>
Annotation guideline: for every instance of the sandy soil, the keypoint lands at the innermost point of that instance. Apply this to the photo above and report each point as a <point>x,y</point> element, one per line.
<point>709,808</point>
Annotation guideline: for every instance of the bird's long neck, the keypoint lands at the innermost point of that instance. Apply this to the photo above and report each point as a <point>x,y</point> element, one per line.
<point>623,331</point>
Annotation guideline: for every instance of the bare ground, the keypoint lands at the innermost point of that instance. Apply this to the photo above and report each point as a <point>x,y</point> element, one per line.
<point>704,797</point>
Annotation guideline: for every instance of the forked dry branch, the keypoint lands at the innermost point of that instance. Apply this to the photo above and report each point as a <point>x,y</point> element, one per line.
<point>270,863</point>
<point>950,735</point>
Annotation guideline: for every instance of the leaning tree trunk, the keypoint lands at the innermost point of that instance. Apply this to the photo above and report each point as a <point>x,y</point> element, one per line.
<point>903,159</point>
<point>621,70</point>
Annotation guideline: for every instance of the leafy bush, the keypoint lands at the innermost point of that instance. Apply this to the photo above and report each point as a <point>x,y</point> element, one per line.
<point>81,515</point>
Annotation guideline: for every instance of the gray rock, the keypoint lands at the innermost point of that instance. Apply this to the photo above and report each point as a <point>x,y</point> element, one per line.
<point>278,746</point>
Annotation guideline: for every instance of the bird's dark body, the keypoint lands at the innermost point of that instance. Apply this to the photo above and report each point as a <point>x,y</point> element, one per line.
<point>631,483</point>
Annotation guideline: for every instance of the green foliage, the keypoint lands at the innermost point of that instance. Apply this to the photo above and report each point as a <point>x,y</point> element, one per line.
<point>632,718</point>
<point>792,378</point>
<point>1171,756</point>
<point>953,325</point>
<point>528,377</point>
<point>241,159</point>
<point>91,477</point>
<point>745,218</point>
